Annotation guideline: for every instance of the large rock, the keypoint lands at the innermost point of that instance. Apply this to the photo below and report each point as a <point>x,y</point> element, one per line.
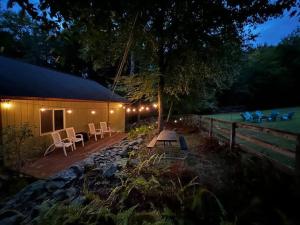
<point>110,171</point>
<point>10,217</point>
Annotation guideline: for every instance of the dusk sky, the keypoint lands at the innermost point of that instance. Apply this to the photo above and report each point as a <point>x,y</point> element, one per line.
<point>271,32</point>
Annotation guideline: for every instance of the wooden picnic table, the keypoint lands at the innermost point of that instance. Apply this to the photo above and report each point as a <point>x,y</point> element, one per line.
<point>167,136</point>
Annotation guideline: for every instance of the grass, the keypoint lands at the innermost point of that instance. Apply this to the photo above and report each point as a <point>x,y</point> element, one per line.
<point>290,126</point>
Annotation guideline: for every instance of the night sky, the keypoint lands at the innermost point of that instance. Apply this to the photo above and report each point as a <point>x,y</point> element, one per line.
<point>270,33</point>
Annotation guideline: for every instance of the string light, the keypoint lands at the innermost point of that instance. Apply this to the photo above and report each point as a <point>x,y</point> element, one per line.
<point>128,110</point>
<point>180,119</point>
<point>155,105</point>
<point>120,105</point>
<point>93,112</point>
<point>69,111</point>
<point>42,109</point>
<point>175,121</point>
<point>124,107</point>
<point>133,110</point>
<point>111,111</point>
<point>147,108</point>
<point>7,104</point>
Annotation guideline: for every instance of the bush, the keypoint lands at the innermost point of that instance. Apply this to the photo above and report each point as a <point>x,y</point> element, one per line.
<point>141,130</point>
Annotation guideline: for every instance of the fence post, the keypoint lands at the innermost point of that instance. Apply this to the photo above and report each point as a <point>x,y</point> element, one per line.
<point>232,135</point>
<point>297,161</point>
<point>210,132</point>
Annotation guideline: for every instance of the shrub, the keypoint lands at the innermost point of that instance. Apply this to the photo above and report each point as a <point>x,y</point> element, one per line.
<point>141,130</point>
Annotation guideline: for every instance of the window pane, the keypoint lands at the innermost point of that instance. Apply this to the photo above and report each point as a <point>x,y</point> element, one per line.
<point>46,121</point>
<point>59,119</point>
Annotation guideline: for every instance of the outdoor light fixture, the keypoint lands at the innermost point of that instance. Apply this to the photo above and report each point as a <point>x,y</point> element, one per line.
<point>93,112</point>
<point>120,105</point>
<point>111,111</point>
<point>175,121</point>
<point>147,108</point>
<point>128,110</point>
<point>6,104</point>
<point>154,105</point>
<point>180,118</point>
<point>42,109</point>
<point>69,111</point>
<point>124,107</point>
<point>133,110</point>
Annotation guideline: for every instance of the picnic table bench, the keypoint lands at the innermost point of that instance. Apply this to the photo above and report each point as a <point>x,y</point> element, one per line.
<point>152,142</point>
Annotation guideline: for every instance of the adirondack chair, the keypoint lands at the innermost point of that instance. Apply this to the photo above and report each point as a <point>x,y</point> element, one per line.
<point>59,143</point>
<point>273,116</point>
<point>94,131</point>
<point>258,116</point>
<point>74,137</point>
<point>287,116</point>
<point>247,116</point>
<point>105,128</point>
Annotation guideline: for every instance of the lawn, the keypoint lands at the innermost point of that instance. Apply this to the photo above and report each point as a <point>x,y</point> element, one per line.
<point>291,126</point>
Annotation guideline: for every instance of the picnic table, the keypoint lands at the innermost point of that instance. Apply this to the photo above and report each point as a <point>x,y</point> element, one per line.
<point>167,136</point>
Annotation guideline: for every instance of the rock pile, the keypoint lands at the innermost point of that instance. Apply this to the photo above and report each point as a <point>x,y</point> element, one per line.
<point>102,168</point>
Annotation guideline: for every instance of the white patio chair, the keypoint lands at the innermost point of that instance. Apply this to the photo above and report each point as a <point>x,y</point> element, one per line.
<point>59,143</point>
<point>105,128</point>
<point>74,137</point>
<point>94,131</point>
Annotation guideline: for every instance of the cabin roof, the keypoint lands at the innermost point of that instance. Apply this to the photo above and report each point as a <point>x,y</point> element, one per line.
<point>19,79</point>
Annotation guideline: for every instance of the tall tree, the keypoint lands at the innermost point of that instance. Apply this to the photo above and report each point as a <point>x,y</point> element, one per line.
<point>173,25</point>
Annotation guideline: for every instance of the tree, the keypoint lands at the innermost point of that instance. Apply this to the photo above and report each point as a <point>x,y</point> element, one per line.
<point>202,27</point>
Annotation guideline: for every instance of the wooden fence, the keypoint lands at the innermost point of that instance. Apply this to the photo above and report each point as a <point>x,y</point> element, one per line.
<point>229,131</point>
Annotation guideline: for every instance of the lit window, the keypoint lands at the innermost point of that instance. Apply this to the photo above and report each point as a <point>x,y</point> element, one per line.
<point>52,120</point>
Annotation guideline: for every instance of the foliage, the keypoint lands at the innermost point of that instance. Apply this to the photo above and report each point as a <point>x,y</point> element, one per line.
<point>269,76</point>
<point>141,130</point>
<point>14,138</point>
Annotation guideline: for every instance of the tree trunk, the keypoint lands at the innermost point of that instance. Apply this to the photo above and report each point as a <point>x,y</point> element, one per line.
<point>160,103</point>
<point>170,111</point>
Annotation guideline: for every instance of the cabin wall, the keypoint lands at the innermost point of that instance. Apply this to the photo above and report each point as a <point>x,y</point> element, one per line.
<point>28,111</point>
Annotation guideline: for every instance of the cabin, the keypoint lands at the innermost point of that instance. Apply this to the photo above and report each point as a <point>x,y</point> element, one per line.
<point>49,101</point>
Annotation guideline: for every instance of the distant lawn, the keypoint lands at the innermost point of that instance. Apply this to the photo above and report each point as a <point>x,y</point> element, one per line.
<point>291,125</point>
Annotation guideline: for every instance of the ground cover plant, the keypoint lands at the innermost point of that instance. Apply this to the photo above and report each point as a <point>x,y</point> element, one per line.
<point>213,186</point>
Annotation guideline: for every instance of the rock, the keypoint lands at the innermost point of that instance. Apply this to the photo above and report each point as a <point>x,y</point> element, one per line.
<point>132,162</point>
<point>77,169</point>
<point>71,193</point>
<point>80,200</point>
<point>134,142</point>
<point>10,217</point>
<point>110,171</point>
<point>53,185</point>
<point>139,141</point>
<point>135,147</point>
<point>124,152</point>
<point>60,195</point>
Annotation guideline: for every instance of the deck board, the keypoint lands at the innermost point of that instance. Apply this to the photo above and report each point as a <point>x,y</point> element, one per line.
<point>56,161</point>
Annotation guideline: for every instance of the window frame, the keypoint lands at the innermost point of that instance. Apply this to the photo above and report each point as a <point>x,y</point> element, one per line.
<point>53,120</point>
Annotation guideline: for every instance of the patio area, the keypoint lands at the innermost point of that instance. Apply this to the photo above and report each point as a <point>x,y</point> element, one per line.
<point>56,161</point>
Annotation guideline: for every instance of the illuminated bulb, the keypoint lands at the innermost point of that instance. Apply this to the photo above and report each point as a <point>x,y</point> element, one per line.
<point>124,107</point>
<point>42,109</point>
<point>180,118</point>
<point>142,108</point>
<point>133,110</point>
<point>111,111</point>
<point>154,105</point>
<point>120,105</point>
<point>93,112</point>
<point>6,105</point>
<point>128,110</point>
<point>175,121</point>
<point>147,108</point>
<point>69,111</point>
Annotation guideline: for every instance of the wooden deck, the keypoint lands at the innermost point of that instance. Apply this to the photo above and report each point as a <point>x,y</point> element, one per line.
<point>56,161</point>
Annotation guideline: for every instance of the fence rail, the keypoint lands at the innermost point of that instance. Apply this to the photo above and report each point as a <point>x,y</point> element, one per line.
<point>229,131</point>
